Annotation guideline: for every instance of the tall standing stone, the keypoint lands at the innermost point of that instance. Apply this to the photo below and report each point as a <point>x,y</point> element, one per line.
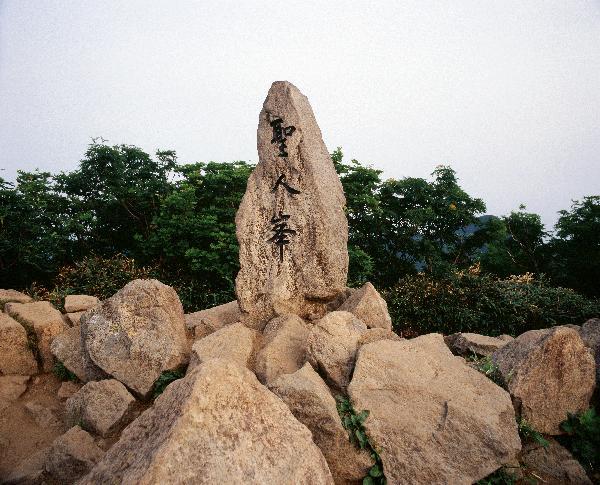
<point>291,226</point>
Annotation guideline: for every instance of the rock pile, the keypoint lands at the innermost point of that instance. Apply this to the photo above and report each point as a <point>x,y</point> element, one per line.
<point>301,379</point>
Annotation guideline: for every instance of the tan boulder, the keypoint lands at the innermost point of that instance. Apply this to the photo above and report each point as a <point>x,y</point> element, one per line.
<point>216,425</point>
<point>137,334</point>
<point>207,321</point>
<point>74,319</point>
<point>553,465</point>
<point>29,471</point>
<point>103,407</point>
<point>11,388</point>
<point>7,296</point>
<point>43,322</point>
<point>378,333</point>
<point>284,347</point>
<point>472,343</point>
<point>72,455</point>
<point>548,373</point>
<point>16,356</point>
<point>310,401</point>
<point>67,389</point>
<point>332,346</point>
<point>291,226</point>
<point>44,416</point>
<point>590,334</point>
<point>235,342</point>
<point>66,348</point>
<point>367,305</point>
<point>80,303</point>
<point>432,418</point>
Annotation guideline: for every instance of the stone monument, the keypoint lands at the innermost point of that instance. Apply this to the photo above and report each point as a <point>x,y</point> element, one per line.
<point>291,226</point>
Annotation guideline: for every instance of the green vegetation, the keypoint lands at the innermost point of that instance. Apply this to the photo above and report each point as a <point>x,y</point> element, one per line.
<point>62,373</point>
<point>123,214</point>
<point>165,379</point>
<point>502,476</point>
<point>353,423</point>
<point>486,366</point>
<point>583,440</point>
<point>528,433</point>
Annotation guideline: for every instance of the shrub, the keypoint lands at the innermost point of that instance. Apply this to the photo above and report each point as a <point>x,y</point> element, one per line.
<point>468,301</point>
<point>62,373</point>
<point>583,439</point>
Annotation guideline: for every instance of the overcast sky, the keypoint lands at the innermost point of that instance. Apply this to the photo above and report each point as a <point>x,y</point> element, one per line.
<point>506,92</point>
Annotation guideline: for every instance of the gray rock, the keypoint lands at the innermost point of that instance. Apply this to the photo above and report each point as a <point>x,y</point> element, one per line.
<point>310,270</point>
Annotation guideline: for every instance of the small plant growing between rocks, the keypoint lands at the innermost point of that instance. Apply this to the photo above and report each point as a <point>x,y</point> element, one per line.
<point>486,366</point>
<point>165,379</point>
<point>583,439</point>
<point>353,423</point>
<point>527,432</point>
<point>62,373</point>
<point>500,477</point>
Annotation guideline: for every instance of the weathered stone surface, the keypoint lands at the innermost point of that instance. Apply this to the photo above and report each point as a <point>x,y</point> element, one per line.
<point>368,305</point>
<point>41,320</point>
<point>80,303</point>
<point>236,342</point>
<point>432,418</point>
<point>207,321</point>
<point>11,388</point>
<point>216,425</point>
<point>104,407</point>
<point>472,343</point>
<point>7,296</point>
<point>72,455</point>
<point>29,471</point>
<point>332,346</point>
<point>74,319</point>
<point>590,334</point>
<point>67,389</point>
<point>284,347</point>
<point>66,348</point>
<point>553,465</point>
<point>43,416</point>
<point>312,269</point>
<point>375,334</point>
<point>548,373</point>
<point>310,401</point>
<point>16,356</point>
<point>137,334</point>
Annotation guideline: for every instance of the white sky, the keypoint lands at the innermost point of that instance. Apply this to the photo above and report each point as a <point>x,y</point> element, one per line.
<point>506,92</point>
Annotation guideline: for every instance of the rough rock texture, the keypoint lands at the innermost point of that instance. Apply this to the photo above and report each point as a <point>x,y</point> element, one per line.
<point>236,342</point>
<point>7,296</point>
<point>137,334</point>
<point>548,373</point>
<point>216,425</point>
<point>432,418</point>
<point>310,266</point>
<point>284,347</point>
<point>11,388</point>
<point>310,401</point>
<point>104,407</point>
<point>473,343</point>
<point>43,322</point>
<point>80,303</point>
<point>332,346</point>
<point>66,348</point>
<point>15,355</point>
<point>43,416</point>
<point>554,465</point>
<point>30,471</point>
<point>72,455</point>
<point>207,321</point>
<point>368,305</point>
<point>67,389</point>
<point>74,319</point>
<point>590,334</point>
<point>375,334</point>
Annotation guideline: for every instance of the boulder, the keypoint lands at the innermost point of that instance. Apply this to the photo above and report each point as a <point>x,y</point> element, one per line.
<point>236,342</point>
<point>375,334</point>
<point>66,348</point>
<point>291,226</point>
<point>590,334</point>
<point>467,344</point>
<point>67,389</point>
<point>103,407</point>
<point>137,334</point>
<point>553,465</point>
<point>368,305</point>
<point>432,418</point>
<point>43,322</point>
<point>284,347</point>
<point>72,455</point>
<point>80,303</point>
<point>8,296</point>
<point>332,346</point>
<point>205,322</point>
<point>310,401</point>
<point>16,356</point>
<point>45,417</point>
<point>29,471</point>
<point>11,389</point>
<point>548,373</point>
<point>74,319</point>
<point>216,425</point>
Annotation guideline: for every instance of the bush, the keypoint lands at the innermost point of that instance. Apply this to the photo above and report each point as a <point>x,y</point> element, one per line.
<point>468,301</point>
<point>583,439</point>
